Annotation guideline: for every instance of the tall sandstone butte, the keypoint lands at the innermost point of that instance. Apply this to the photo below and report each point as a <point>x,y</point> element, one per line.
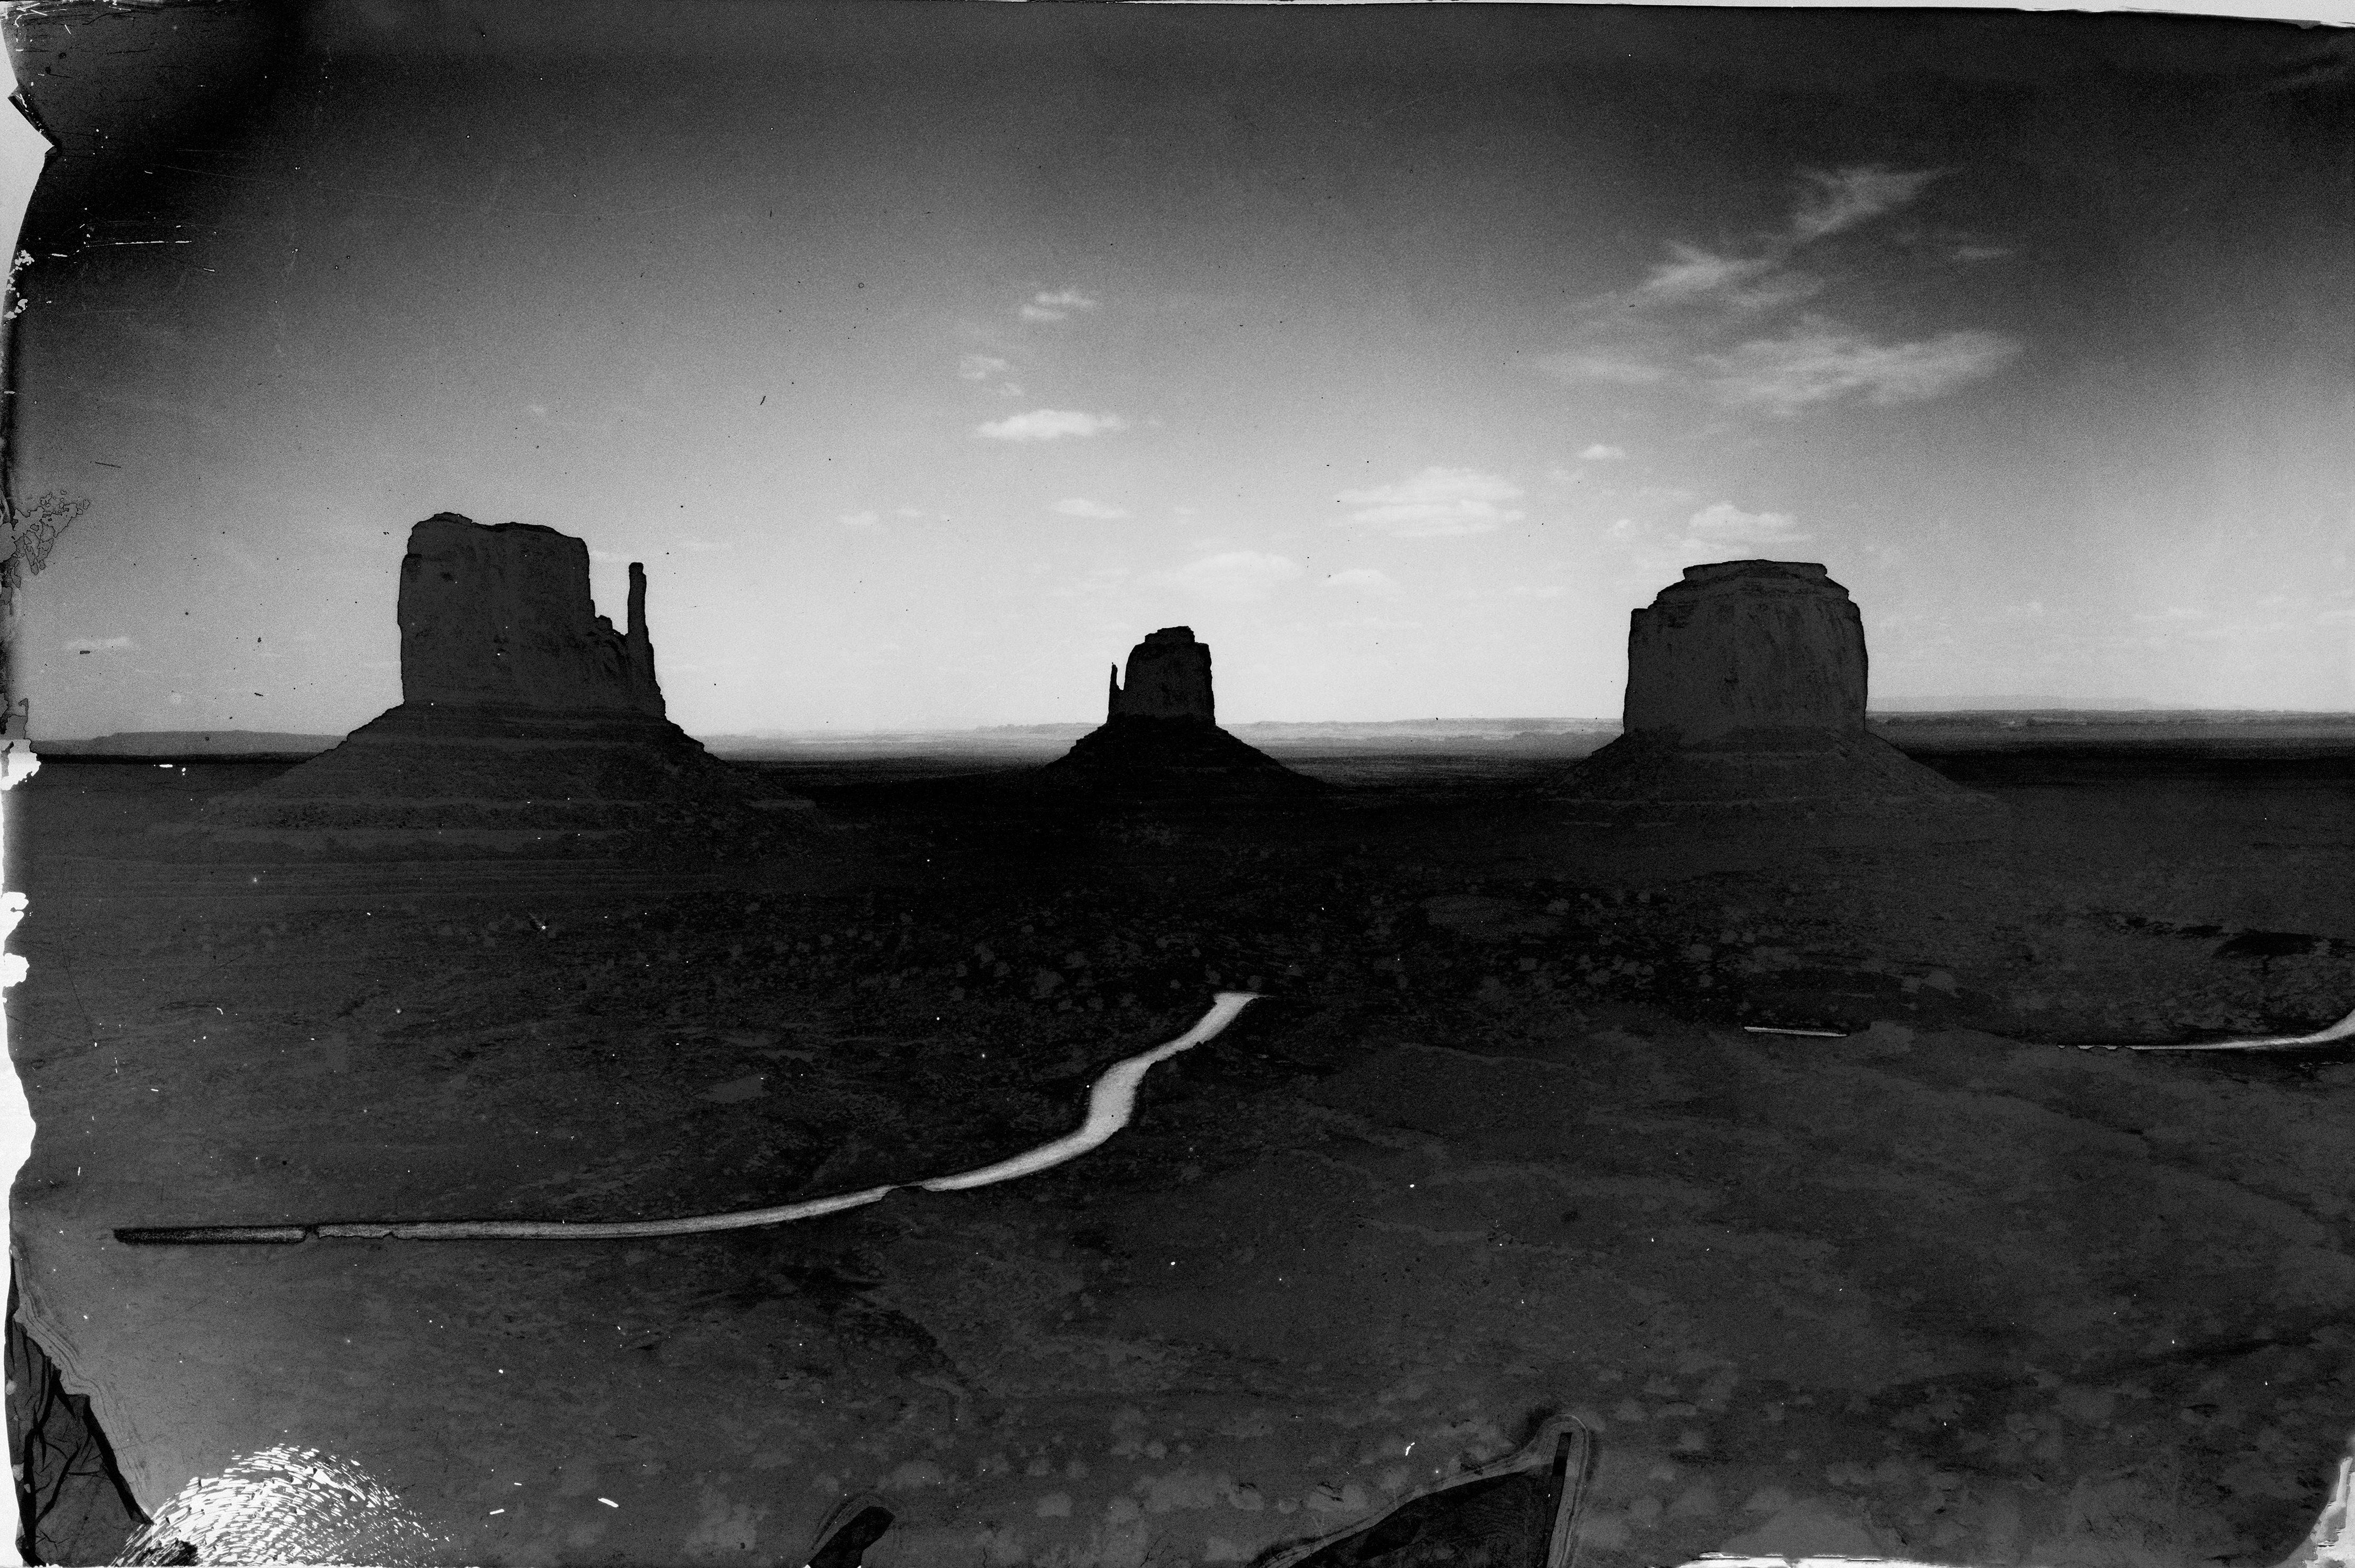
<point>1747,647</point>
<point>527,724</point>
<point>1168,678</point>
<point>1160,736</point>
<point>500,613</point>
<point>1746,693</point>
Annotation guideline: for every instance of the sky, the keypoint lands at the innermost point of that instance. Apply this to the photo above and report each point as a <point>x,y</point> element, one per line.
<point>929,355</point>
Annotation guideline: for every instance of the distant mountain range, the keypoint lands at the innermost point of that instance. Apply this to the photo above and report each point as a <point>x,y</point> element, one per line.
<point>1024,738</point>
<point>193,743</point>
<point>2009,704</point>
<point>1536,733</point>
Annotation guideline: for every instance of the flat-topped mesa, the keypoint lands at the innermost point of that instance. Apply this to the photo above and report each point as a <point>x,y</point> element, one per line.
<point>1168,678</point>
<point>1746,649</point>
<point>1745,696</point>
<point>500,614</point>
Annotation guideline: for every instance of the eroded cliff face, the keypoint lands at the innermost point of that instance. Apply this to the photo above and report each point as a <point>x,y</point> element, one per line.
<point>527,725</point>
<point>1168,678</point>
<point>1746,702</point>
<point>1746,649</point>
<point>501,615</point>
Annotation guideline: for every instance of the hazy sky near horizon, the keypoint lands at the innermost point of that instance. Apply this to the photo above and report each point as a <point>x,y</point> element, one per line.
<point>932,355</point>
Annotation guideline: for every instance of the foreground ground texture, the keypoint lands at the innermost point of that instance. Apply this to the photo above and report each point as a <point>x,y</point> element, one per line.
<point>1962,1285</point>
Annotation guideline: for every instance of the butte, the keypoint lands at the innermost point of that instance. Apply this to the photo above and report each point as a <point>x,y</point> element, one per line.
<point>1160,738</point>
<point>527,725</point>
<point>1745,700</point>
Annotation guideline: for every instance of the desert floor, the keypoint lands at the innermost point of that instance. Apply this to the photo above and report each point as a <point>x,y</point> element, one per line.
<point>1964,1285</point>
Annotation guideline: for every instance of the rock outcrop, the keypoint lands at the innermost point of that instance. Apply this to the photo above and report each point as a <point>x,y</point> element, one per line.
<point>1168,678</point>
<point>500,614</point>
<point>1160,737</point>
<point>1746,648</point>
<point>527,724</point>
<point>1746,697</point>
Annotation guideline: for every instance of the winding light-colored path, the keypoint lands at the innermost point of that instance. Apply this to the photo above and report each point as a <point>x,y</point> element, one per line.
<point>2343,1029</point>
<point>1111,1102</point>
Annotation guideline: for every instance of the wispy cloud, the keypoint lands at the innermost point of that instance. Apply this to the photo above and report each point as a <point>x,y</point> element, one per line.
<point>99,644</point>
<point>1626,366</point>
<point>988,368</point>
<point>1080,507</point>
<point>1365,580</point>
<point>1049,424</point>
<point>1725,525</point>
<point>1232,577</point>
<point>1842,198</point>
<point>860,520</point>
<point>1060,305</point>
<point>1820,361</point>
<point>1602,453</point>
<point>1693,276</point>
<point>1101,581</point>
<point>1712,322</point>
<point>1438,503</point>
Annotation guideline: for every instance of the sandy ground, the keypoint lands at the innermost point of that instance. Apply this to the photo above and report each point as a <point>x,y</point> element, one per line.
<point>1497,1144</point>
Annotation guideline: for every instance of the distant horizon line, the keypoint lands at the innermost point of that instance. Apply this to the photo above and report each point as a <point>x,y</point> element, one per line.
<point>1910,707</point>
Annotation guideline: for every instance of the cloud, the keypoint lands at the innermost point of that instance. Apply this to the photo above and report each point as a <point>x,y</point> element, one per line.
<point>1049,424</point>
<point>1694,273</point>
<point>605,555</point>
<point>1438,503</point>
<point>860,520</point>
<point>1845,197</point>
<point>1080,507</point>
<point>97,645</point>
<point>1057,307</point>
<point>1103,579</point>
<point>1724,525</point>
<point>1232,577</point>
<point>1625,368</point>
<point>1701,278</point>
<point>987,368</point>
<point>1600,453</point>
<point>1821,361</point>
<point>1367,580</point>
<point>1698,321</point>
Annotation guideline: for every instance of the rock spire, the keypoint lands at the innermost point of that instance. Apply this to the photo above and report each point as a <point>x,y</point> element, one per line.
<point>1160,736</point>
<point>1168,678</point>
